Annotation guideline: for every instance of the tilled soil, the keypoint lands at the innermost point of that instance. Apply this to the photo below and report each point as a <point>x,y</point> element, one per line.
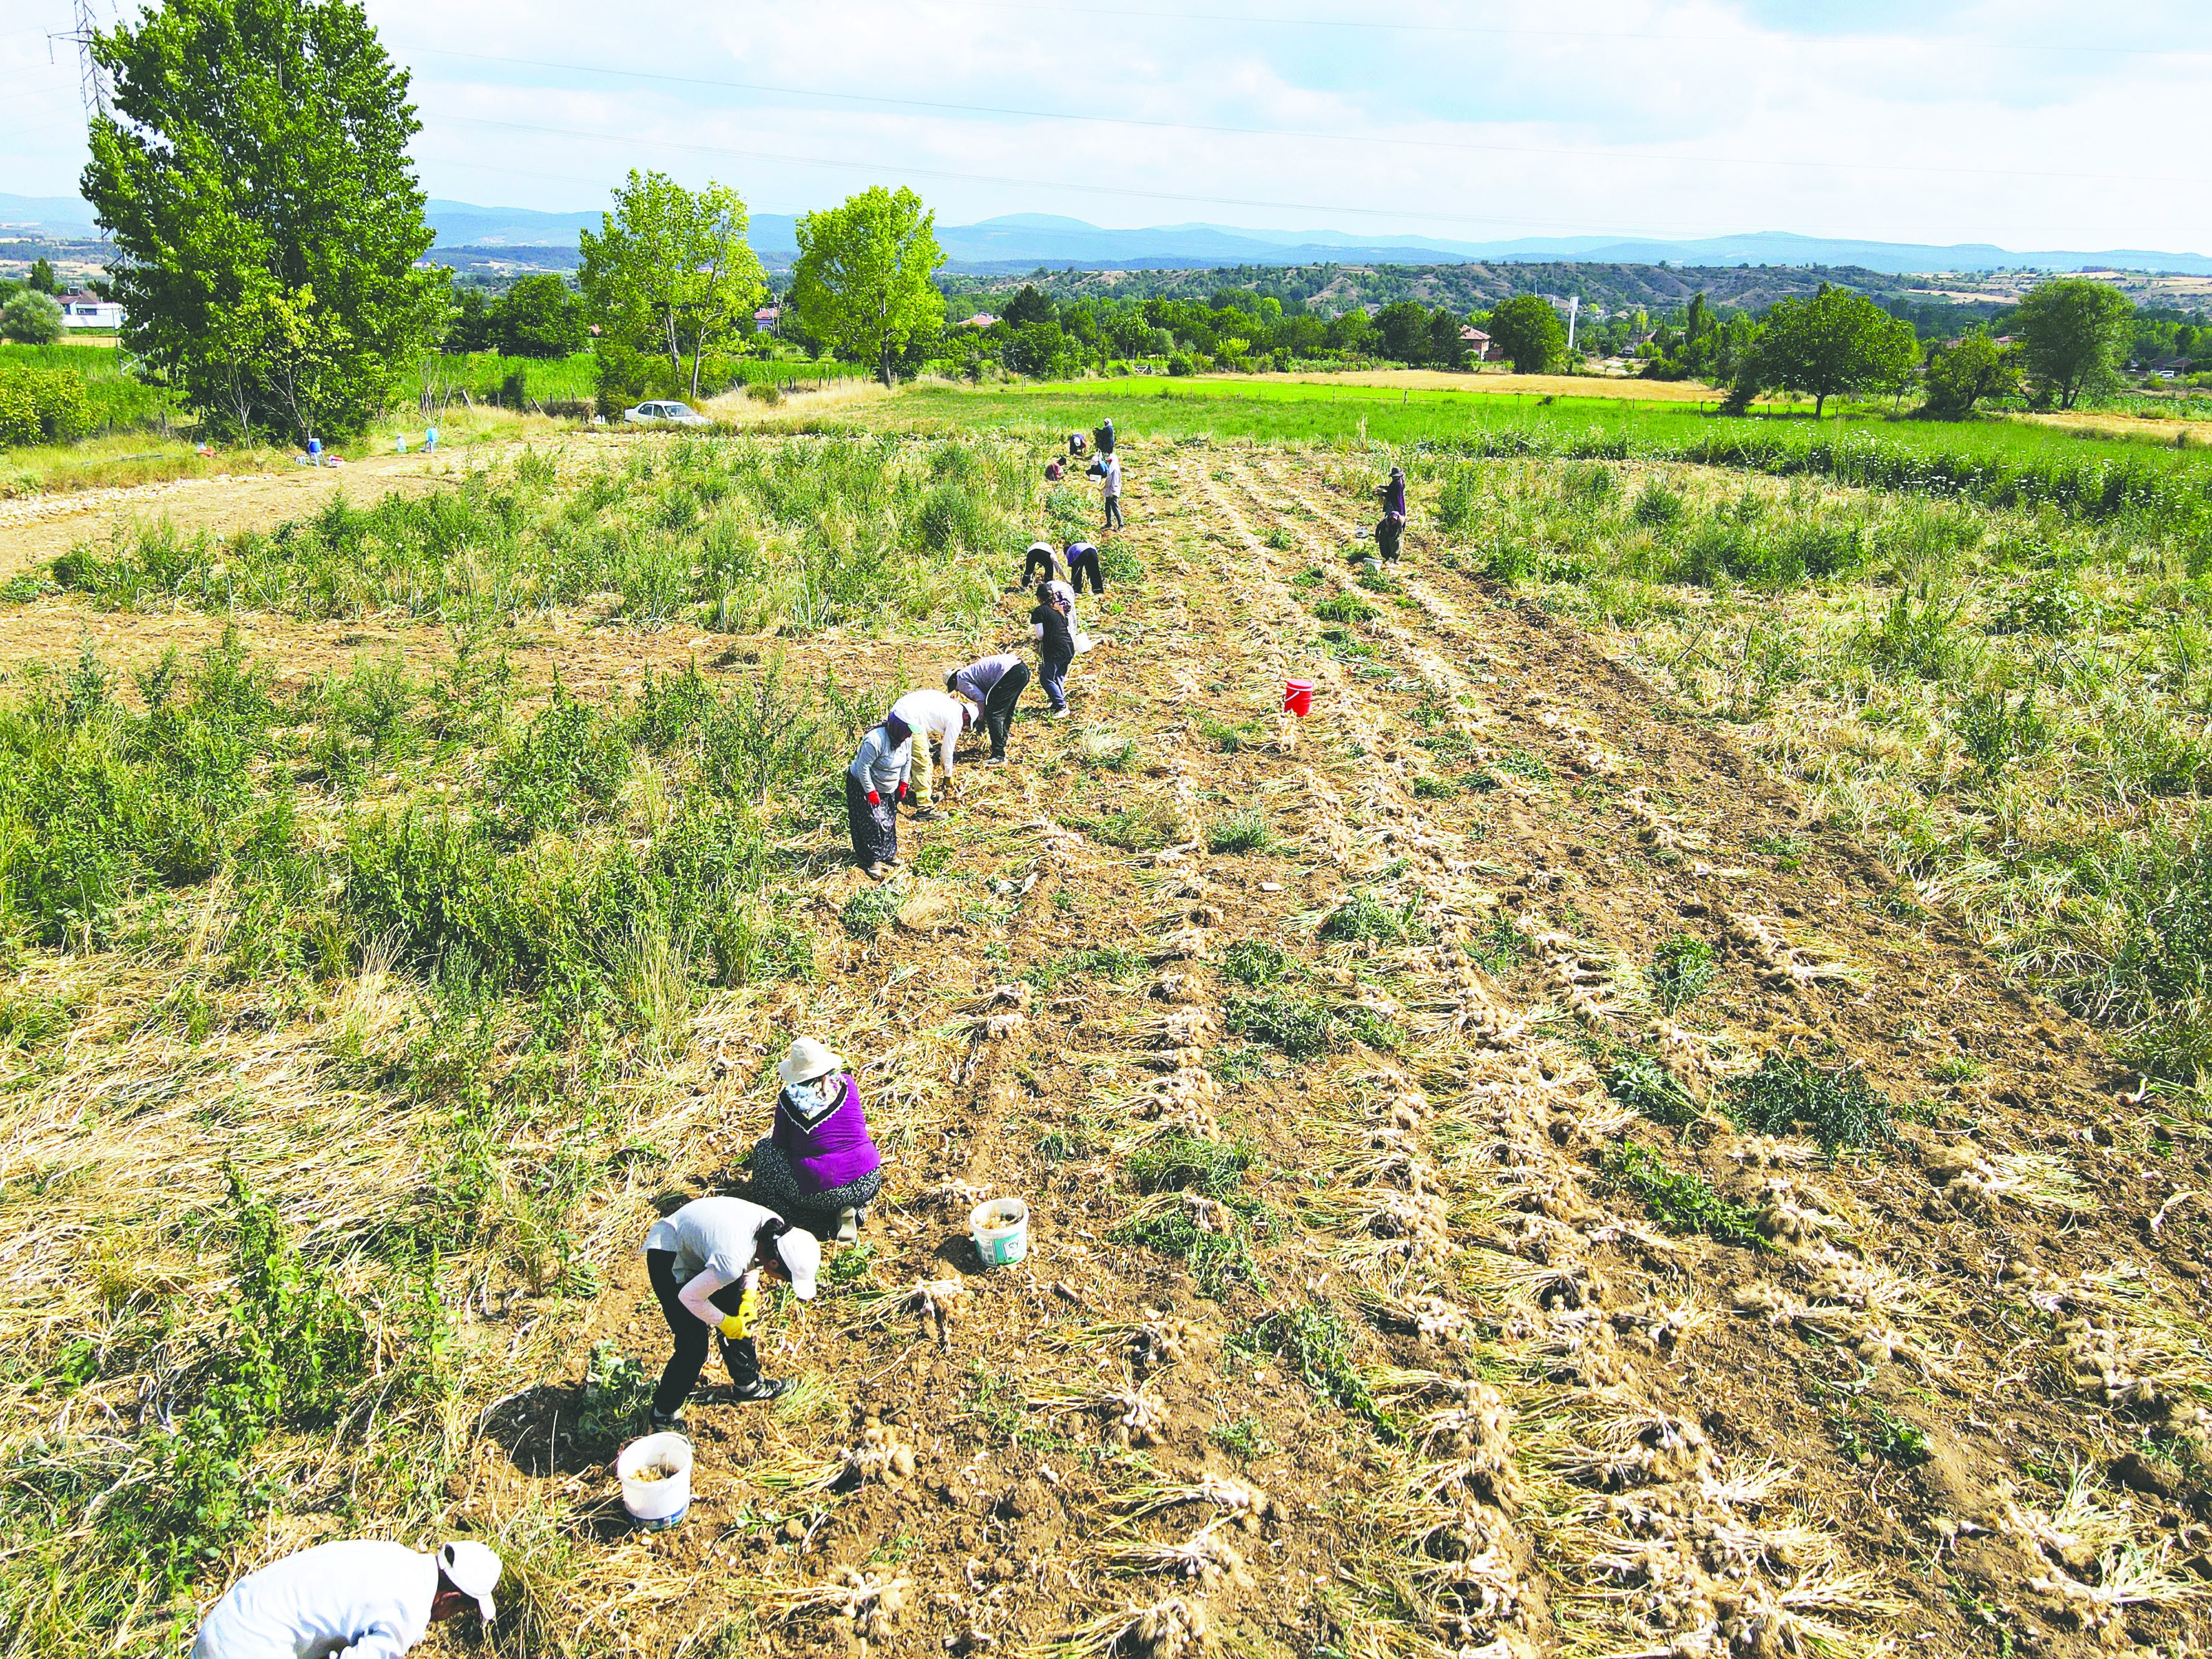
<point>1460,1366</point>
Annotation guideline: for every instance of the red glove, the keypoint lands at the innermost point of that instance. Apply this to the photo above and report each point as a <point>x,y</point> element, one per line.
<point>901,788</point>
<point>874,800</point>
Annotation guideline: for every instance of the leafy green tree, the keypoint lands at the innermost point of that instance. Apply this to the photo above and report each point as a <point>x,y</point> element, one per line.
<point>32,319</point>
<point>1029,306</point>
<point>256,182</point>
<point>41,279</point>
<point>1446,348</point>
<point>1976,366</point>
<point>670,274</point>
<point>2074,332</point>
<point>1040,350</point>
<point>1832,345</point>
<point>468,325</point>
<point>540,317</point>
<point>1404,327</point>
<point>1528,332</point>
<point>863,279</point>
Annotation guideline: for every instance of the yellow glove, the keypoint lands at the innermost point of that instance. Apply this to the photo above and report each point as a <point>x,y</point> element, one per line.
<point>739,1326</point>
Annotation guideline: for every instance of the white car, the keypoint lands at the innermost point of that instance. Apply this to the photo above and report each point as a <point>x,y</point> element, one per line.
<point>671,414</point>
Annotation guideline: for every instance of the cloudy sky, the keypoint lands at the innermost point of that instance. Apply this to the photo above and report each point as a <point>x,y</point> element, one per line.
<point>2030,124</point>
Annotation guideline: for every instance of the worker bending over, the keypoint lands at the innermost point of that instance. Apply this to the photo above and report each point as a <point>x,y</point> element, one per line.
<point>1083,561</point>
<point>818,1166</point>
<point>355,1599</point>
<point>994,685</point>
<point>937,720</point>
<point>874,783</point>
<point>1041,561</point>
<point>1054,633</point>
<point>706,1263</point>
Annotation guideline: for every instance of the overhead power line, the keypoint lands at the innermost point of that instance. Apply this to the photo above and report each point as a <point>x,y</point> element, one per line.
<point>1616,155</point>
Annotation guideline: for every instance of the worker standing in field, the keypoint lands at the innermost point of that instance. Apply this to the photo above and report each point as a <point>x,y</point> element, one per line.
<point>1108,467</point>
<point>1083,561</point>
<point>937,718</point>
<point>818,1166</point>
<point>874,783</point>
<point>1104,436</point>
<point>706,1263</point>
<point>1054,633</point>
<point>994,685</point>
<point>358,1598</point>
<point>1390,529</point>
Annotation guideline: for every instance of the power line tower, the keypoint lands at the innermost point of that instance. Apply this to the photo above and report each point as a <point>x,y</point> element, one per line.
<point>92,80</point>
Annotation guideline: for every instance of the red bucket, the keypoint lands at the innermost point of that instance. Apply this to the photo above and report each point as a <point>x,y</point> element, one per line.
<point>1298,698</point>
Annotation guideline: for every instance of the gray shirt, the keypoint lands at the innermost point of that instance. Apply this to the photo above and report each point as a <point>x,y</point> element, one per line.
<point>711,1235</point>
<point>979,678</point>
<point>881,763</point>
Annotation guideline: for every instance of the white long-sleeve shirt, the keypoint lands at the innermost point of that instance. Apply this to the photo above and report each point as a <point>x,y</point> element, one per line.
<point>355,1599</point>
<point>879,764</point>
<point>1112,475</point>
<point>935,716</point>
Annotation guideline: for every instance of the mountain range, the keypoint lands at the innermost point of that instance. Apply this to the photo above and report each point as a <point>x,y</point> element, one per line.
<point>1022,241</point>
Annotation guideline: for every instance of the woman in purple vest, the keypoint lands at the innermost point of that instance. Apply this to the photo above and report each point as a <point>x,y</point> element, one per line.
<point>818,1168</point>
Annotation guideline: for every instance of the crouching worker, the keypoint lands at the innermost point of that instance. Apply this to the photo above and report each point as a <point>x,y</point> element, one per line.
<point>994,685</point>
<point>706,1263</point>
<point>874,783</point>
<point>818,1166</point>
<point>361,1598</point>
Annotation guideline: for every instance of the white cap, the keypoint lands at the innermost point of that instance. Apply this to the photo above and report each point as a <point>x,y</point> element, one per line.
<point>474,1570</point>
<point>802,1253</point>
<point>807,1061</point>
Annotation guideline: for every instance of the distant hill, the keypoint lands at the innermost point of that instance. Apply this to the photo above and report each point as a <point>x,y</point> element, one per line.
<point>1022,242</point>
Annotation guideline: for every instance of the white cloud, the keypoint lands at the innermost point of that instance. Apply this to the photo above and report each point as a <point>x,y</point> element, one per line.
<point>1915,121</point>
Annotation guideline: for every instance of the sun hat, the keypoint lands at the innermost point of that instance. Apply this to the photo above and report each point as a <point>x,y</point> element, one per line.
<point>802,1254</point>
<point>472,1569</point>
<point>807,1061</point>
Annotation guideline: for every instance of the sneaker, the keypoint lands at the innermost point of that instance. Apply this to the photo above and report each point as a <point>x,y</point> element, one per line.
<point>1062,713</point>
<point>762,1388</point>
<point>998,760</point>
<point>927,815</point>
<point>877,872</point>
<point>848,1225</point>
<point>668,1422</point>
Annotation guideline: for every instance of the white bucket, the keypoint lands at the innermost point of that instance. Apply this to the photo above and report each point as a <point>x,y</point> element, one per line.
<point>656,1503</point>
<point>1000,1228</point>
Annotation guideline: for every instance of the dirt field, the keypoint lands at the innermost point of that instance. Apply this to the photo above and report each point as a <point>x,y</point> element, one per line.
<point>1472,1358</point>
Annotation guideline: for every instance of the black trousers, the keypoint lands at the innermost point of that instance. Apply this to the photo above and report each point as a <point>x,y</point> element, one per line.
<point>1036,563</point>
<point>1086,563</point>
<point>1388,534</point>
<point>998,712</point>
<point>875,828</point>
<point>681,1374</point>
<point>1112,512</point>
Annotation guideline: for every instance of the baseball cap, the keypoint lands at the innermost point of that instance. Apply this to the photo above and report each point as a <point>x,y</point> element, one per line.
<point>472,1569</point>
<point>802,1253</point>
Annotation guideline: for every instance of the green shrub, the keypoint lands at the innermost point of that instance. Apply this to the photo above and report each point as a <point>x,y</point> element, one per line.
<point>616,1391</point>
<point>1682,1201</point>
<point>1788,1094</point>
<point>1681,968</point>
<point>42,406</point>
<point>571,758</point>
<point>1254,962</point>
<point>1345,608</point>
<point>1656,506</point>
<point>1641,1083</point>
<point>1185,1164</point>
<point>869,911</point>
<point>1363,918</point>
<point>1243,831</point>
<point>1297,1025</point>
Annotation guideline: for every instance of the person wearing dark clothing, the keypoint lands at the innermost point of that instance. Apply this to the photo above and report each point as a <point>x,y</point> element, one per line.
<point>1042,561</point>
<point>1053,470</point>
<point>1391,530</point>
<point>1055,643</point>
<point>1105,437</point>
<point>1076,443</point>
<point>1083,561</point>
<point>874,783</point>
<point>997,683</point>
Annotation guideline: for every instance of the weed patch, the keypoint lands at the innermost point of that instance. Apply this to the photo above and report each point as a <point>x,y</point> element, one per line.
<point>1789,1095</point>
<point>1681,1202</point>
